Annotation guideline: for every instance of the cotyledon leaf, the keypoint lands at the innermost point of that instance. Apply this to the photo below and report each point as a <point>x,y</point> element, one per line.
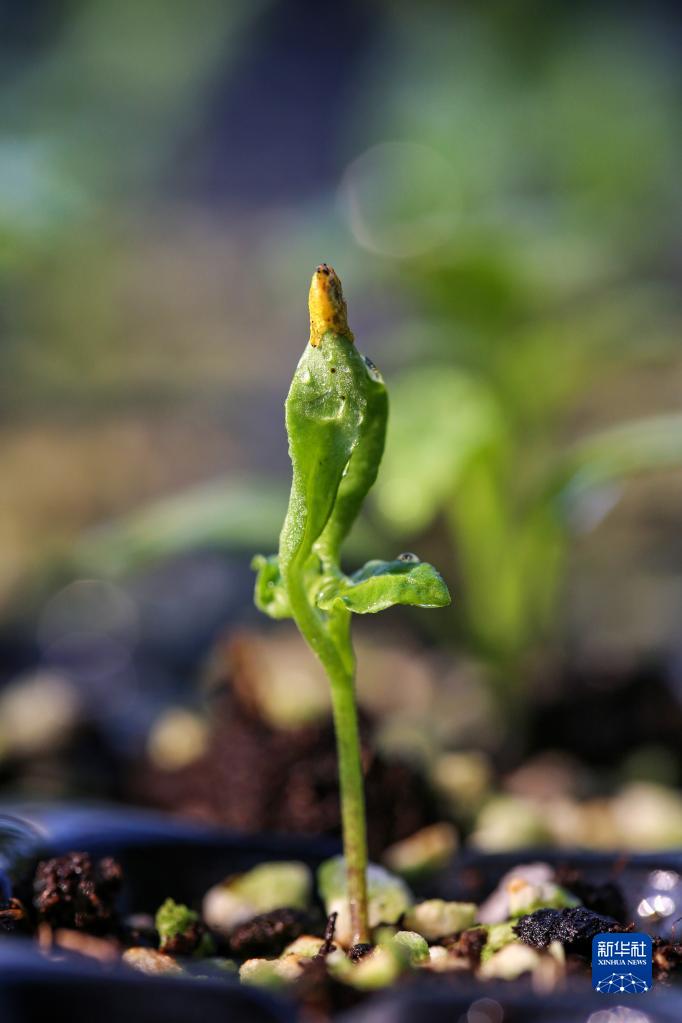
<point>270,595</point>
<point>382,584</point>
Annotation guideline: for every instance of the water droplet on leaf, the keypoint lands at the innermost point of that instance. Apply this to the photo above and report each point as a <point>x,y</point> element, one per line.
<point>372,370</point>
<point>408,556</point>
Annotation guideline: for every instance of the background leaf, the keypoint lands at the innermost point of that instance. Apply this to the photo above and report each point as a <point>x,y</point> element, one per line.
<point>440,417</point>
<point>240,514</point>
<point>641,445</point>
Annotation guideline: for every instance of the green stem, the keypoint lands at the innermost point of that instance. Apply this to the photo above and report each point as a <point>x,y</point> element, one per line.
<point>351,784</point>
<point>326,638</point>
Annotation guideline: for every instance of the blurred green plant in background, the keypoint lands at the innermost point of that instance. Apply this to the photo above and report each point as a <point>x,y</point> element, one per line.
<point>528,226</point>
<point>93,112</point>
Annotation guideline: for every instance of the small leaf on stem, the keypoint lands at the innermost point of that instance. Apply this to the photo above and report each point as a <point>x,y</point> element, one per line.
<point>270,594</point>
<point>382,584</point>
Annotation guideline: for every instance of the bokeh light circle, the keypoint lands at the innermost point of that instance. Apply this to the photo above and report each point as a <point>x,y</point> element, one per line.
<point>400,199</point>
<point>93,606</point>
<point>485,1010</point>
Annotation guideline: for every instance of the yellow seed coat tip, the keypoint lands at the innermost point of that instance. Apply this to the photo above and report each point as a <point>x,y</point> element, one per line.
<point>327,306</point>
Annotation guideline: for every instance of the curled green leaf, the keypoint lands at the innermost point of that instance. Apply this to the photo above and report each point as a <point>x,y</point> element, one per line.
<point>382,584</point>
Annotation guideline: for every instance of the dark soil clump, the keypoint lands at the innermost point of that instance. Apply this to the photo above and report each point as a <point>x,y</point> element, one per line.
<point>268,934</point>
<point>468,946</point>
<point>574,928</point>
<point>73,892</point>
<point>359,951</point>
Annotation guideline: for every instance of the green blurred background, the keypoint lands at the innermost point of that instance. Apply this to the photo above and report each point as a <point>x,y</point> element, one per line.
<point>498,186</point>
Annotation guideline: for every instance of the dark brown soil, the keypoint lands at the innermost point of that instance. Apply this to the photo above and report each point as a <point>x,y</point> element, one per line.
<point>268,934</point>
<point>256,778</point>
<point>468,945</point>
<point>599,711</point>
<point>72,891</point>
<point>574,928</point>
<point>76,889</point>
<point>359,951</point>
